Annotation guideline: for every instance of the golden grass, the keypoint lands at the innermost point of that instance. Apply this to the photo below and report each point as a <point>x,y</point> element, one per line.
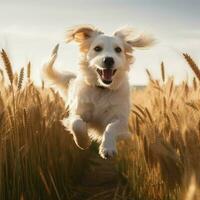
<point>38,159</point>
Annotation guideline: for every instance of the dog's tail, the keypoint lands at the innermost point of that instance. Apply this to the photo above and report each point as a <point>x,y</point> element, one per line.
<point>60,80</point>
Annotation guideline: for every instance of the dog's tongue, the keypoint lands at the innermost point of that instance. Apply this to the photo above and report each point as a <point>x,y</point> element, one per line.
<point>107,74</point>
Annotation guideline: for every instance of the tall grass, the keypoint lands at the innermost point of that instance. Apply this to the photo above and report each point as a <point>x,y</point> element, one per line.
<point>38,158</point>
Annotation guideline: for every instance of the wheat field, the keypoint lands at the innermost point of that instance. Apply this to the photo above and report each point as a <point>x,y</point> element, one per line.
<point>39,161</point>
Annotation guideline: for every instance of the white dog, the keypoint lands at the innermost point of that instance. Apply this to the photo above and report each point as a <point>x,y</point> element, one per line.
<point>99,96</point>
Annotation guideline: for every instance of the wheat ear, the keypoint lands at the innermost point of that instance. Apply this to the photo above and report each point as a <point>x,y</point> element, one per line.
<point>21,78</point>
<point>8,65</point>
<point>192,65</point>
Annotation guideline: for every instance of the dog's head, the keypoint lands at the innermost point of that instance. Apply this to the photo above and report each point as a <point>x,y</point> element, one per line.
<point>106,59</point>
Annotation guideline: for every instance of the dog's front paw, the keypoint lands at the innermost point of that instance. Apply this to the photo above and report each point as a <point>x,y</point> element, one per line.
<point>107,152</point>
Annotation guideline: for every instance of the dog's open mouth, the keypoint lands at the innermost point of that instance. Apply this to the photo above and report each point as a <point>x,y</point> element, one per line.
<point>106,75</point>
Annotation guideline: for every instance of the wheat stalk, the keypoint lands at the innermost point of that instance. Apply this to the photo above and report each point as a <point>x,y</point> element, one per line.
<point>21,78</point>
<point>186,88</point>
<point>42,84</point>
<point>44,181</point>
<point>140,109</point>
<point>138,115</point>
<point>149,75</point>
<point>15,79</point>
<point>29,71</point>
<point>192,105</point>
<point>146,149</point>
<point>194,83</point>
<point>137,126</point>
<point>149,115</point>
<point>192,65</point>
<point>164,104</point>
<point>163,71</point>
<point>1,100</point>
<point>2,76</point>
<point>171,87</point>
<point>8,65</point>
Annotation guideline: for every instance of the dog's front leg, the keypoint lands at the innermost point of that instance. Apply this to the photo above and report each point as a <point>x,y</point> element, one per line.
<point>114,130</point>
<point>78,128</point>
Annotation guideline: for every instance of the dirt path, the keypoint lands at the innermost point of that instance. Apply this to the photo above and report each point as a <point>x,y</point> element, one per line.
<point>101,179</point>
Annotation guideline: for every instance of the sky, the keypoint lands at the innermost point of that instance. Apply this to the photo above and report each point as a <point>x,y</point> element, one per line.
<point>30,29</point>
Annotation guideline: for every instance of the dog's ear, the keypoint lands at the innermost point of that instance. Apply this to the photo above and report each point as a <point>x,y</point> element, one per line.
<point>131,37</point>
<point>80,33</point>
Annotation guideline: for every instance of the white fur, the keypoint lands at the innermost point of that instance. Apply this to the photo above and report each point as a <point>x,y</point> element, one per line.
<point>94,112</point>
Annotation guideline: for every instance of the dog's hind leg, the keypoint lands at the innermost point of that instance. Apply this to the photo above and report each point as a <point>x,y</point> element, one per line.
<point>78,128</point>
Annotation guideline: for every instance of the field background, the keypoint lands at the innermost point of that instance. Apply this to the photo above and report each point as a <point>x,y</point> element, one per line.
<point>38,158</point>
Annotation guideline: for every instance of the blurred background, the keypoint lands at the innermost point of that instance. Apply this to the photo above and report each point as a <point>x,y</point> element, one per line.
<point>30,29</point>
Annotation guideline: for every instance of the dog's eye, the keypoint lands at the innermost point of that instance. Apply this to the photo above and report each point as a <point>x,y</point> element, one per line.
<point>118,49</point>
<point>98,48</point>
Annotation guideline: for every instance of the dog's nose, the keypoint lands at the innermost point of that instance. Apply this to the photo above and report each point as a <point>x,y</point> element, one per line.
<point>108,61</point>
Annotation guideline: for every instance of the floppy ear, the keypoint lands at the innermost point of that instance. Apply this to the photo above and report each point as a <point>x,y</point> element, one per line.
<point>81,33</point>
<point>133,39</point>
